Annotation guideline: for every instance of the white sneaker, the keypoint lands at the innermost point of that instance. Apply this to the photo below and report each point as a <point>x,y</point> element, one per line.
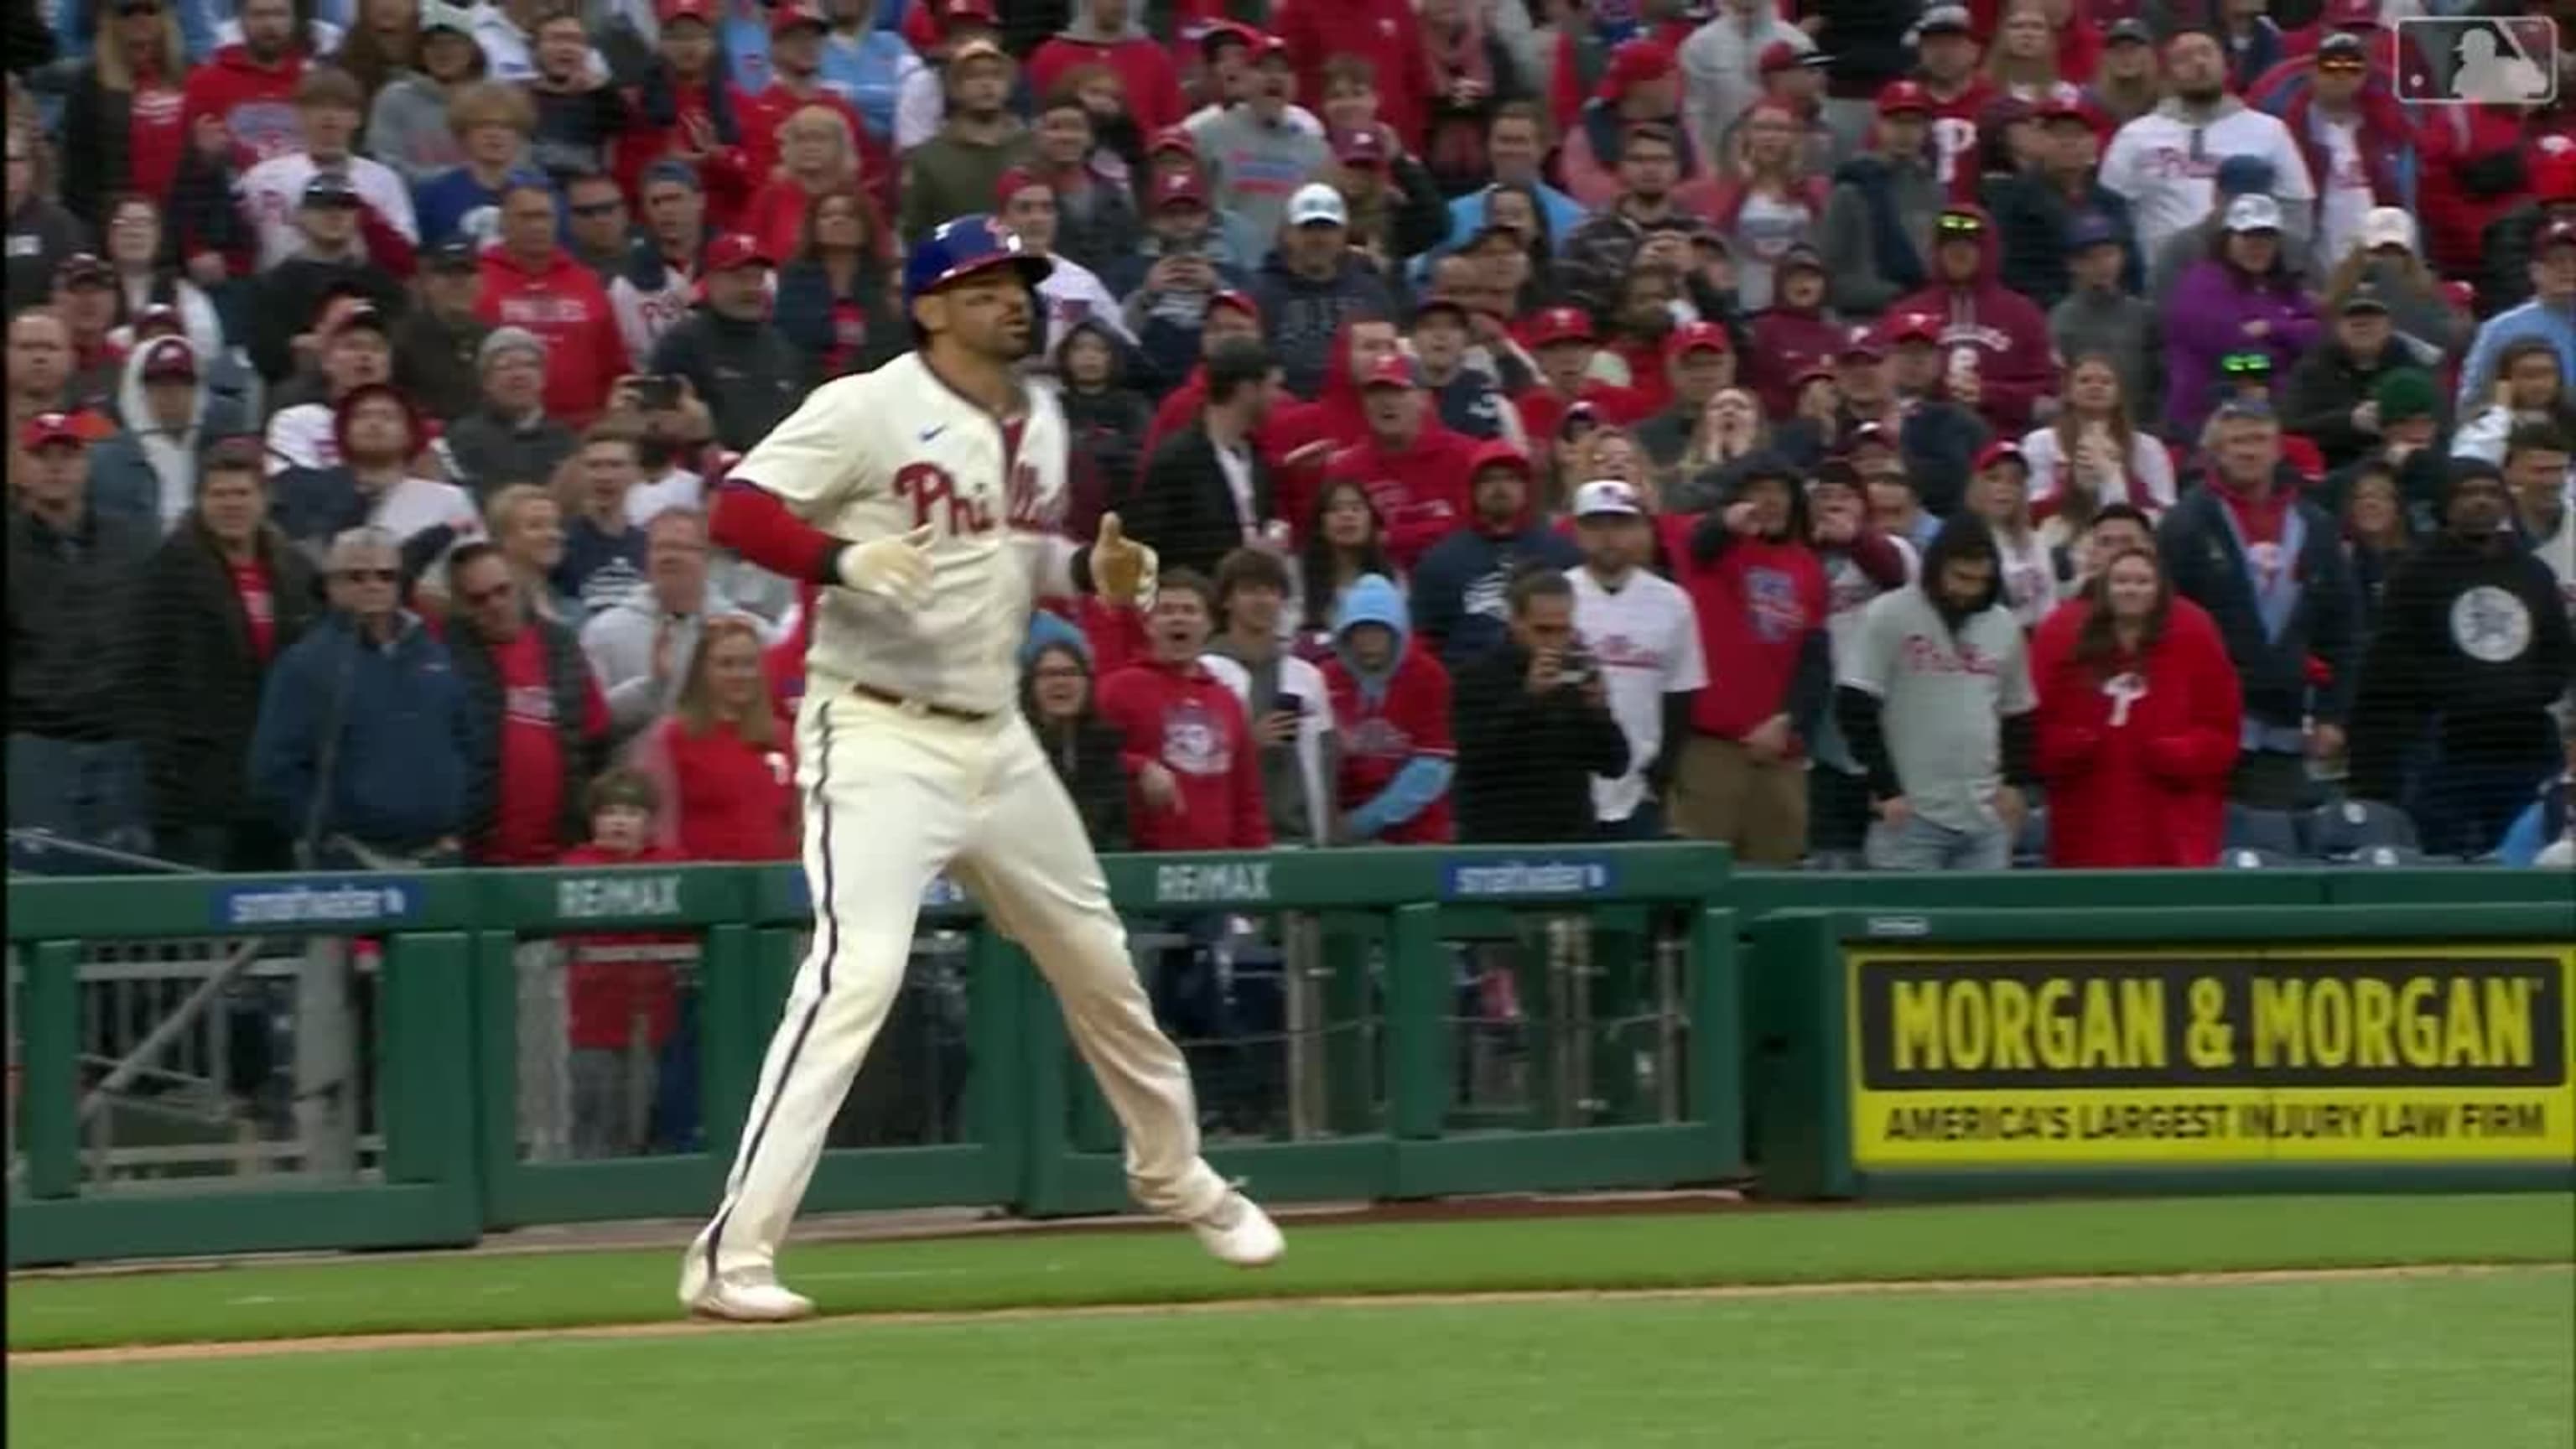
<point>1237,1232</point>
<point>740,1298</point>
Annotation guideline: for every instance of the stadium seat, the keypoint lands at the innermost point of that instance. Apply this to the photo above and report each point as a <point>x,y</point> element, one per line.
<point>2246,858</point>
<point>2274,832</point>
<point>2347,827</point>
<point>2389,855</point>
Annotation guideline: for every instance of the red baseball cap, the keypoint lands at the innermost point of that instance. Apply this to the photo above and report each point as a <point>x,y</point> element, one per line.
<point>1904,95</point>
<point>1913,327</point>
<point>1560,324</point>
<point>669,10</point>
<point>1693,337</point>
<point>169,359</point>
<point>1862,343</point>
<point>1780,55</point>
<point>1223,33</point>
<point>785,18</point>
<point>2002,450</point>
<point>1173,138</point>
<point>1174,188</point>
<point>159,319</point>
<point>46,430</point>
<point>1360,146</point>
<point>2351,15</point>
<point>1634,63</point>
<point>2063,106</point>
<point>1498,453</point>
<point>1393,370</point>
<point>1013,182</point>
<point>736,249</point>
<point>1238,299</point>
<point>978,12</point>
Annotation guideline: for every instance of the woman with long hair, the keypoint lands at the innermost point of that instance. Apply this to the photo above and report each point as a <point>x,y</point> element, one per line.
<point>2023,62</point>
<point>2093,453</point>
<point>836,299</point>
<point>147,275</point>
<point>725,759</point>
<point>1345,540</point>
<point>2527,386</point>
<point>1768,203</point>
<point>2243,297</point>
<point>383,43</point>
<point>2139,721</point>
<point>2376,535</point>
<point>1056,695</point>
<point>407,126</point>
<point>121,130</point>
<point>816,154</point>
<point>1514,210</point>
<point>526,523</point>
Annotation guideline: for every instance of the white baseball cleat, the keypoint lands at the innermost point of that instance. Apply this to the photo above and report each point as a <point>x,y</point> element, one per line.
<point>741,1299</point>
<point>1237,1232</point>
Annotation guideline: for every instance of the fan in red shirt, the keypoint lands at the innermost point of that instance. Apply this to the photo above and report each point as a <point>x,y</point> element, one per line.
<point>530,282</point>
<point>621,988</point>
<point>684,110</point>
<point>1109,32</point>
<point>1412,468</point>
<point>725,758</point>
<point>1298,439</point>
<point>796,37</point>
<point>1391,712</point>
<point>1194,768</point>
<point>1946,47</point>
<point>543,723</point>
<point>2139,723</point>
<point>1386,33</point>
<point>249,88</point>
<point>1231,315</point>
<point>1562,342</point>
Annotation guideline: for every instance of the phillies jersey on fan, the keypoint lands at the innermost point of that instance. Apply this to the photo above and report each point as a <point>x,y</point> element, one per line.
<point>882,453</point>
<point>271,191</point>
<point>1645,634</point>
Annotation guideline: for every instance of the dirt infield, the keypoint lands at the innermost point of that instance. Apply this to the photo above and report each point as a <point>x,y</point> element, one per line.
<point>365,1343</point>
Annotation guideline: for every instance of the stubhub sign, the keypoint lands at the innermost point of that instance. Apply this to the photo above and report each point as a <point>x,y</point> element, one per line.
<point>1550,876</point>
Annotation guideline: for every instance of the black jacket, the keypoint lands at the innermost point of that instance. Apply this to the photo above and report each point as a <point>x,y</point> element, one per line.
<point>2209,568</point>
<point>486,454</point>
<point>74,668</point>
<point>435,362</point>
<point>1526,762</point>
<point>1085,754</point>
<point>287,298</point>
<point>569,684</point>
<point>2325,387</point>
<point>2472,639</point>
<point>97,123</point>
<point>748,374</point>
<point>205,677</point>
<point>1186,510</point>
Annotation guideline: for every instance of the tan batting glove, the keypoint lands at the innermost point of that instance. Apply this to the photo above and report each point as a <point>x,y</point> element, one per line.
<point>896,570</point>
<point>1123,571</point>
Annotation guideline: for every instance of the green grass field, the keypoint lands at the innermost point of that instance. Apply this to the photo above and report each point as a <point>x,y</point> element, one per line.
<point>2485,1359</point>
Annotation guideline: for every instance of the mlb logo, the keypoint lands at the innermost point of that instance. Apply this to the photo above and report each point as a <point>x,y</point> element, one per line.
<point>2478,60</point>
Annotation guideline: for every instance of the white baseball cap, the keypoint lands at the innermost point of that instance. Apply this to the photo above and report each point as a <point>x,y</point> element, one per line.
<point>2254,212</point>
<point>1606,495</point>
<point>1317,203</point>
<point>2387,226</point>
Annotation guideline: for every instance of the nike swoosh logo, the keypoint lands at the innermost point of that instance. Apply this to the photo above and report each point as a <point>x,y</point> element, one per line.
<point>929,433</point>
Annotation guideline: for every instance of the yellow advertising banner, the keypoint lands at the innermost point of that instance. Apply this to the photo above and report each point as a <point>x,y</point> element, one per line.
<point>2427,1053</point>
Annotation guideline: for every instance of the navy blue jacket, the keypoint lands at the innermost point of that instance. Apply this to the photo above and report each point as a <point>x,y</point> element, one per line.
<point>1460,587</point>
<point>398,779</point>
<point>2209,569</point>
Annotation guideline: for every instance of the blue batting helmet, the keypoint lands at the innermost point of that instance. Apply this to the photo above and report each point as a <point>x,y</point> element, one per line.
<point>965,245</point>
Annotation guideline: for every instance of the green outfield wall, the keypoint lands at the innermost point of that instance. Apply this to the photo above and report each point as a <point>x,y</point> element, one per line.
<point>1852,1034</point>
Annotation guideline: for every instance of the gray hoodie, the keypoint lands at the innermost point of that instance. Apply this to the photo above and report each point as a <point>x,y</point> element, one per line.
<point>407,129</point>
<point>1857,284</point>
<point>2121,326</point>
<point>1255,166</point>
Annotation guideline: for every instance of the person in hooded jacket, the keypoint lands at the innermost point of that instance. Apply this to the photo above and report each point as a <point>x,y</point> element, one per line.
<point>1414,469</point>
<point>1936,700</point>
<point>1056,698</point>
<point>1759,591</point>
<point>1794,334</point>
<point>2138,720</point>
<point>1461,587</point>
<point>1105,419</point>
<point>1876,233</point>
<point>1185,741</point>
<point>407,126</point>
<point>2472,649</point>
<point>1313,284</point>
<point>2033,210</point>
<point>2243,297</point>
<point>1997,357</point>
<point>1533,724</point>
<point>147,472</point>
<point>1390,705</point>
<point>225,596</point>
<point>748,373</point>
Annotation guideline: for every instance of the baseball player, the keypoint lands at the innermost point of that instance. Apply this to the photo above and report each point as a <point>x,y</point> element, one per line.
<point>925,498</point>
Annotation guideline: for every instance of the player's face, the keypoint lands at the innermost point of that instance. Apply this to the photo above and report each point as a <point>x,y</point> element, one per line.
<point>988,313</point>
<point>1613,543</point>
<point>2130,587</point>
<point>1181,624</point>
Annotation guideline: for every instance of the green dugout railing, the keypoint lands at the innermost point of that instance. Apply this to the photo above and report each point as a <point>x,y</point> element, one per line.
<point>1036,1138</point>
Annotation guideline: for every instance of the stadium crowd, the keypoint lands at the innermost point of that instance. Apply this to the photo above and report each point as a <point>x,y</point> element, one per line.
<point>1858,434</point>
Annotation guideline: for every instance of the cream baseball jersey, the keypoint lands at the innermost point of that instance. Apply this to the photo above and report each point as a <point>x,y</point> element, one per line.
<point>882,453</point>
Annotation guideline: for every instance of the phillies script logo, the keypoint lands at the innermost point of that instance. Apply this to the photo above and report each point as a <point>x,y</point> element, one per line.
<point>1924,655</point>
<point>937,500</point>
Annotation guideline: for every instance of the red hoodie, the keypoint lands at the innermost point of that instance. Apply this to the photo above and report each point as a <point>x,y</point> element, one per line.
<point>724,173</point>
<point>1954,136</point>
<point>1385,32</point>
<point>732,799</point>
<point>2454,218</point>
<point>2015,359</point>
<point>1420,489</point>
<point>2136,763</point>
<point>1381,731</point>
<point>1335,419</point>
<point>616,979</point>
<point>1144,69</point>
<point>1788,342</point>
<point>255,102</point>
<point>1185,719</point>
<point>1757,602</point>
<point>564,305</point>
